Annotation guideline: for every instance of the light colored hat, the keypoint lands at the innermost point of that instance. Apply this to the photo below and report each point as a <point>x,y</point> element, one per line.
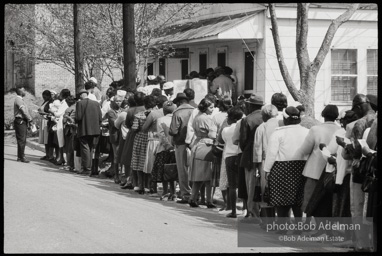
<point>93,80</point>
<point>168,85</point>
<point>53,92</point>
<point>121,93</point>
<point>151,77</point>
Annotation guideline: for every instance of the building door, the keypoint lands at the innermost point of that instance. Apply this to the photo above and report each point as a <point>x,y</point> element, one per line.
<point>162,67</point>
<point>248,70</point>
<point>184,65</point>
<point>202,62</point>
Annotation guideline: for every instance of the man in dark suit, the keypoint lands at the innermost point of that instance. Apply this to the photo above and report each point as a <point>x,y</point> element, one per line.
<point>248,129</point>
<point>89,118</point>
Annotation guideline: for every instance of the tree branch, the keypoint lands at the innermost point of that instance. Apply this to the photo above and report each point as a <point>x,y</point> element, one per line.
<point>284,70</point>
<point>326,43</point>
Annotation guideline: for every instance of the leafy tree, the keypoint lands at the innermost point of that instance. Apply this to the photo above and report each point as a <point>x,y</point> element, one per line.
<point>308,69</point>
<point>46,33</point>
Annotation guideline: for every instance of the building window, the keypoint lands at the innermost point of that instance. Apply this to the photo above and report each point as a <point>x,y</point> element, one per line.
<point>202,62</point>
<point>150,69</point>
<point>221,59</point>
<point>344,75</point>
<point>248,70</point>
<point>162,67</point>
<point>372,72</point>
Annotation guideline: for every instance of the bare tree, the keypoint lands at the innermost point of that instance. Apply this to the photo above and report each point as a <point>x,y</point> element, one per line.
<point>308,69</point>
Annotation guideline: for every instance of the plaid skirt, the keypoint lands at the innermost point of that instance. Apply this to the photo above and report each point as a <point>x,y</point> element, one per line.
<point>286,183</point>
<point>139,151</point>
<point>162,158</point>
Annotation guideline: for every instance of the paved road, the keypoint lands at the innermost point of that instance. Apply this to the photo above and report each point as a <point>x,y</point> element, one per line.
<point>47,210</point>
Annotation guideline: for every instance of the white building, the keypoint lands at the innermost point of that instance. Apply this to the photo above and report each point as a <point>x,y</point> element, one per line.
<point>239,36</point>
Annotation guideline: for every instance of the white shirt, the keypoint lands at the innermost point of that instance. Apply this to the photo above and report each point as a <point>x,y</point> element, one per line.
<point>284,144</point>
<point>91,96</point>
<point>105,108</point>
<point>230,149</point>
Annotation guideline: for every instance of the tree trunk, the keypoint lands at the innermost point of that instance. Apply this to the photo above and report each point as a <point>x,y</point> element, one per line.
<point>129,45</point>
<point>78,51</point>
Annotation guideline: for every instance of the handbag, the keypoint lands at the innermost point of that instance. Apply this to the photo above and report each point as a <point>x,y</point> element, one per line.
<point>170,172</point>
<point>266,197</point>
<point>359,173</point>
<point>217,150</point>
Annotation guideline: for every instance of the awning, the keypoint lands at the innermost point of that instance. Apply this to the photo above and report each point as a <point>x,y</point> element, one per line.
<point>239,26</point>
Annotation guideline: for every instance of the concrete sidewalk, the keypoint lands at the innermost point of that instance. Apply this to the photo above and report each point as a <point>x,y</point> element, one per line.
<point>32,143</point>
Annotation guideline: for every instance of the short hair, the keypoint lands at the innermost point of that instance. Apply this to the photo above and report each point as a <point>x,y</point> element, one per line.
<point>242,106</point>
<point>190,93</point>
<point>219,71</point>
<point>89,85</point>
<point>225,104</point>
<point>279,100</point>
<point>203,74</point>
<point>65,93</point>
<point>194,74</point>
<point>131,102</point>
<point>330,112</point>
<point>211,97</point>
<point>110,92</point>
<point>139,98</point>
<point>294,116</point>
<point>149,101</point>
<point>209,70</point>
<point>235,113</point>
<point>47,93</point>
<point>19,90</point>
<point>161,78</point>
<point>156,92</point>
<point>114,84</point>
<point>268,111</point>
<point>204,104</point>
<point>301,108</point>
<point>70,100</point>
<point>228,70</point>
<point>160,100</point>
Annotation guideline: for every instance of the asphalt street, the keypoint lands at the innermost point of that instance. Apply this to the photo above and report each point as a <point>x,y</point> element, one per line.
<point>47,210</point>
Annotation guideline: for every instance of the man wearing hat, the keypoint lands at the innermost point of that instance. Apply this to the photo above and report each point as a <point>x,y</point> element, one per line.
<point>168,90</point>
<point>248,128</point>
<point>178,129</point>
<point>363,107</point>
<point>88,118</point>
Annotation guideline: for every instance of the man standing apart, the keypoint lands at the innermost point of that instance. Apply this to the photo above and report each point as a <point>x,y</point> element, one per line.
<point>22,120</point>
<point>89,118</point>
<point>248,129</point>
<point>178,129</point>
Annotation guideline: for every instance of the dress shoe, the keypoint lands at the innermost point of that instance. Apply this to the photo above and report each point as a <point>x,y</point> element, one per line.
<point>93,174</point>
<point>192,203</point>
<point>23,160</point>
<point>128,186</point>
<point>44,158</point>
<point>210,205</point>
<point>231,215</point>
<point>182,201</point>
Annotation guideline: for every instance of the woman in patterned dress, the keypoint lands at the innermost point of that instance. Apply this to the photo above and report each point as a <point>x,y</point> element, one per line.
<point>283,165</point>
<point>140,144</point>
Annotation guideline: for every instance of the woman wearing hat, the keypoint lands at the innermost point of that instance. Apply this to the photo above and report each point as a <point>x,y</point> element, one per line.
<point>283,166</point>
<point>168,90</point>
<point>201,169</point>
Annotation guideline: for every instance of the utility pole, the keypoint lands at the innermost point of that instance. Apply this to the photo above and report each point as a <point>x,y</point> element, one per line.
<point>129,46</point>
<point>78,51</point>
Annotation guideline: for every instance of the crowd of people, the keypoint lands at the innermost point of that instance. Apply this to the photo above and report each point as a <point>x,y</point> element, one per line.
<point>261,153</point>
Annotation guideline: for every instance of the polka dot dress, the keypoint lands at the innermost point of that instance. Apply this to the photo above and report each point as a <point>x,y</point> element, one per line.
<point>286,183</point>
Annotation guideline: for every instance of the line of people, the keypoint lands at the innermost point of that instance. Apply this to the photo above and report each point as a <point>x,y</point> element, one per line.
<point>238,147</point>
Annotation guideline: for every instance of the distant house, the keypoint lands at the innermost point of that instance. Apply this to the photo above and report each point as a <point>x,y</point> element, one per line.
<point>239,36</point>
